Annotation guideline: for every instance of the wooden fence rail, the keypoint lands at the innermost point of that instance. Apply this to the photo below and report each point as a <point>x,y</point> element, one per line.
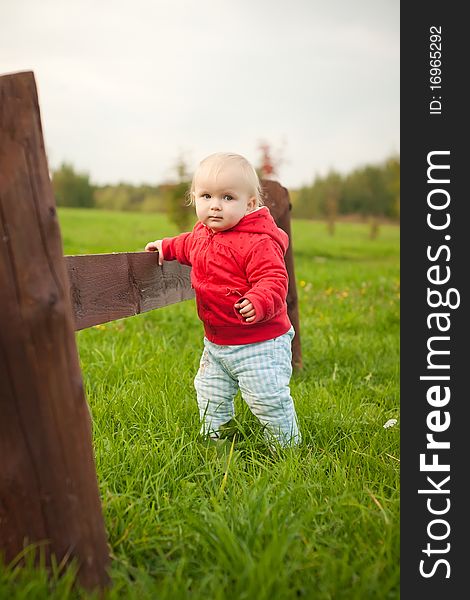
<point>48,486</point>
<point>106,287</point>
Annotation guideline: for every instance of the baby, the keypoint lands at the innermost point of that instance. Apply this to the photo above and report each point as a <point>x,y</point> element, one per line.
<point>240,280</point>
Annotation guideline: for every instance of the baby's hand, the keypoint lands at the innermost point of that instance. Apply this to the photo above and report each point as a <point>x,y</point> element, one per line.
<point>246,309</point>
<point>155,246</point>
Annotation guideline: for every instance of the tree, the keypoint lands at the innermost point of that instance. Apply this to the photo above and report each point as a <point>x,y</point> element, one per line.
<point>332,188</point>
<point>71,188</point>
<point>267,169</point>
<point>178,210</point>
<point>269,164</point>
<point>392,179</point>
<point>305,203</point>
<point>112,197</point>
<point>376,196</point>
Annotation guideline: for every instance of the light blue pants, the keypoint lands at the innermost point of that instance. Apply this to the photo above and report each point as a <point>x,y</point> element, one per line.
<point>262,372</point>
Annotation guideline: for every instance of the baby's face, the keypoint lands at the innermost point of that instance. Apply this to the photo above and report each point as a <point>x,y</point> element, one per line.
<point>222,201</point>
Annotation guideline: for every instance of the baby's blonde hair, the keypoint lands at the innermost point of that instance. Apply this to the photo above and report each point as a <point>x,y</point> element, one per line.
<point>214,163</point>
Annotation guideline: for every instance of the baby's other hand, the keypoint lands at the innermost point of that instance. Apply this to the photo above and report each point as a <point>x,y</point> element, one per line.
<point>246,309</point>
<point>155,246</point>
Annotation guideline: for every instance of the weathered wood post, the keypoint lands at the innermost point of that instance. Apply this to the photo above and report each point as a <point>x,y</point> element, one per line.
<point>278,201</point>
<point>48,486</point>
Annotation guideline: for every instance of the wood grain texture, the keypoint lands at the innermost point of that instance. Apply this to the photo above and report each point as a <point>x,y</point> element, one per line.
<point>106,287</point>
<point>48,487</point>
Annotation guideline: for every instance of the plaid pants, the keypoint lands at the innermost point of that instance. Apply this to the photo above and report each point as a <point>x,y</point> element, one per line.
<point>262,372</point>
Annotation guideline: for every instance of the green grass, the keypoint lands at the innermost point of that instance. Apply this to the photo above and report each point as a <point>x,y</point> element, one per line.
<point>187,520</point>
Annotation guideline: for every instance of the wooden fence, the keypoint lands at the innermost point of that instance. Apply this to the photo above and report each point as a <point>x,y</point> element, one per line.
<point>48,487</point>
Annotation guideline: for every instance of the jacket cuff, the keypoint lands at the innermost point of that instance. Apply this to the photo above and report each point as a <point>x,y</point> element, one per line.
<point>166,248</point>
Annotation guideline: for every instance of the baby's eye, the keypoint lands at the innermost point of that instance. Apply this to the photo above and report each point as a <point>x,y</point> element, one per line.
<point>206,196</point>
<point>228,197</point>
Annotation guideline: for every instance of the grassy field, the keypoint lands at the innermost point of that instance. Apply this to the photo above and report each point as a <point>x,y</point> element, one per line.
<point>187,520</point>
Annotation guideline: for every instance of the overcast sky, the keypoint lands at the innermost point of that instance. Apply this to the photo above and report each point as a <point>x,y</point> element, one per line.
<point>126,87</point>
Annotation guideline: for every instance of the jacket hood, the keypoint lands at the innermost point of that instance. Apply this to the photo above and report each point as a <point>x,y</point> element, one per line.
<point>261,221</point>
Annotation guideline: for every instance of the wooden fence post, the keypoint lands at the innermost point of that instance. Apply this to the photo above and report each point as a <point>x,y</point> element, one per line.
<point>48,486</point>
<point>278,201</point>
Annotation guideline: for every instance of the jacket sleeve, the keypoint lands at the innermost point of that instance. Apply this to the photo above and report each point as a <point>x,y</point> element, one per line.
<point>267,274</point>
<point>178,248</point>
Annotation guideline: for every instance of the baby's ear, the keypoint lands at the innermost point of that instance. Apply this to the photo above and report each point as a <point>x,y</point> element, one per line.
<point>250,207</point>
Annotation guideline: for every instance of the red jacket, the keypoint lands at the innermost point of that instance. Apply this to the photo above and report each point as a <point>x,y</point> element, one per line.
<point>246,261</point>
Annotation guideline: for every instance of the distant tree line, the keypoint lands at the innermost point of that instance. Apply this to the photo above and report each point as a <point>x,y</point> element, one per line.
<point>369,191</point>
<point>74,189</point>
<point>372,191</point>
